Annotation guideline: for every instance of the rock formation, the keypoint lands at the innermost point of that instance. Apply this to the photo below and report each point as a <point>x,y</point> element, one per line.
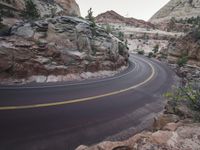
<point>58,46</point>
<point>187,45</point>
<point>173,136</point>
<point>177,9</point>
<point>45,7</point>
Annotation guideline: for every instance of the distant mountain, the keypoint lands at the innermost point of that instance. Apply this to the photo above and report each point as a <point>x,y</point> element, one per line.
<point>114,18</point>
<point>179,9</point>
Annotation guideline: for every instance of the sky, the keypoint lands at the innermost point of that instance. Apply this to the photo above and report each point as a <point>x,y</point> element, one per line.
<point>139,9</point>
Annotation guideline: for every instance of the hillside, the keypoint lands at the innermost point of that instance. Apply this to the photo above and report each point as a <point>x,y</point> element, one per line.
<point>178,9</point>
<point>115,18</point>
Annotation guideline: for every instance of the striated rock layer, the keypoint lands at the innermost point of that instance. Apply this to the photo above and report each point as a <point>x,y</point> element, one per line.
<point>45,7</point>
<point>177,9</point>
<point>58,46</point>
<point>187,45</point>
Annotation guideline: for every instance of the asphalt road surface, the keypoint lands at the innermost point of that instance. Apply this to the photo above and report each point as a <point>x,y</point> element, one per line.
<point>62,116</point>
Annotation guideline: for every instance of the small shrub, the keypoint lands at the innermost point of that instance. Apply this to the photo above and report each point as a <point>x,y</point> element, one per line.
<point>140,52</point>
<point>121,48</point>
<point>189,93</point>
<point>156,48</point>
<point>182,61</point>
<point>4,30</point>
<point>30,11</point>
<point>108,28</point>
<point>121,36</point>
<point>150,54</point>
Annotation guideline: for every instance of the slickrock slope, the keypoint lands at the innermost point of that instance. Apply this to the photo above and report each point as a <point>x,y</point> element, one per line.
<point>177,9</point>
<point>58,47</point>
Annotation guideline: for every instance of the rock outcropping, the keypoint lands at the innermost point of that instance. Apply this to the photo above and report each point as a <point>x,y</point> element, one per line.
<point>173,136</point>
<point>45,7</point>
<point>177,9</point>
<point>58,46</point>
<point>174,129</point>
<point>187,45</point>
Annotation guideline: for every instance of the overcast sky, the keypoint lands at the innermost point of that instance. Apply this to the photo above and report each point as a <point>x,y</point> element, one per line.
<point>140,9</point>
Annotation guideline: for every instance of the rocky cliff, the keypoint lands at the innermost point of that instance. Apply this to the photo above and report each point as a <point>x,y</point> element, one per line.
<point>188,45</point>
<point>115,18</point>
<point>45,7</point>
<point>58,47</point>
<point>177,9</point>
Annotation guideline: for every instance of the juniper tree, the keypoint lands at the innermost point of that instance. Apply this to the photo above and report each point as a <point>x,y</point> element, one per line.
<point>30,11</point>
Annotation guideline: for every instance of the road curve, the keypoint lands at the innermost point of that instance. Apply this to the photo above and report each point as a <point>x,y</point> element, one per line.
<point>62,116</point>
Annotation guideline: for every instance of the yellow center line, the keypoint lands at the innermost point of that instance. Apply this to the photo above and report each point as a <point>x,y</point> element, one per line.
<point>82,99</point>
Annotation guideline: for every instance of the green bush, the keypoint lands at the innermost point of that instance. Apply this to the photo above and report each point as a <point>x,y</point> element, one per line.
<point>156,48</point>
<point>108,28</point>
<point>121,48</point>
<point>182,61</point>
<point>140,52</point>
<point>121,36</point>
<point>30,11</point>
<point>4,30</point>
<point>189,93</point>
<point>150,54</point>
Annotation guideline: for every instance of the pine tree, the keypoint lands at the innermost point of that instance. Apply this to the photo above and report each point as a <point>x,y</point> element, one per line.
<point>1,19</point>
<point>30,11</point>
<point>90,17</point>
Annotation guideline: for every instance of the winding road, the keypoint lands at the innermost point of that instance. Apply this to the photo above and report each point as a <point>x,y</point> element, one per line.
<point>63,116</point>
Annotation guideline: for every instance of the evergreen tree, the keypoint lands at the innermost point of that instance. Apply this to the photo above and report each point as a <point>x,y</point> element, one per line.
<point>30,11</point>
<point>90,17</point>
<point>1,19</point>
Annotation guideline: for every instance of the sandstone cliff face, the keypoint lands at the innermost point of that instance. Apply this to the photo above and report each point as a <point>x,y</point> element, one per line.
<point>66,7</point>
<point>58,46</point>
<point>113,17</point>
<point>177,9</point>
<point>188,45</point>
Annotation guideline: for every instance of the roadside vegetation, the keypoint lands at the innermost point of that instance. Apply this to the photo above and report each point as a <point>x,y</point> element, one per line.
<point>187,96</point>
<point>30,11</point>
<point>195,21</point>
<point>140,52</point>
<point>182,61</point>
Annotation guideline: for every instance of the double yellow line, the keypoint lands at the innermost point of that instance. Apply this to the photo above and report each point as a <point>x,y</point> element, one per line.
<point>81,99</point>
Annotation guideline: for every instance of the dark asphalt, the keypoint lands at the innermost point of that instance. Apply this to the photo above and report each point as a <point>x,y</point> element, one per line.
<point>64,127</point>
